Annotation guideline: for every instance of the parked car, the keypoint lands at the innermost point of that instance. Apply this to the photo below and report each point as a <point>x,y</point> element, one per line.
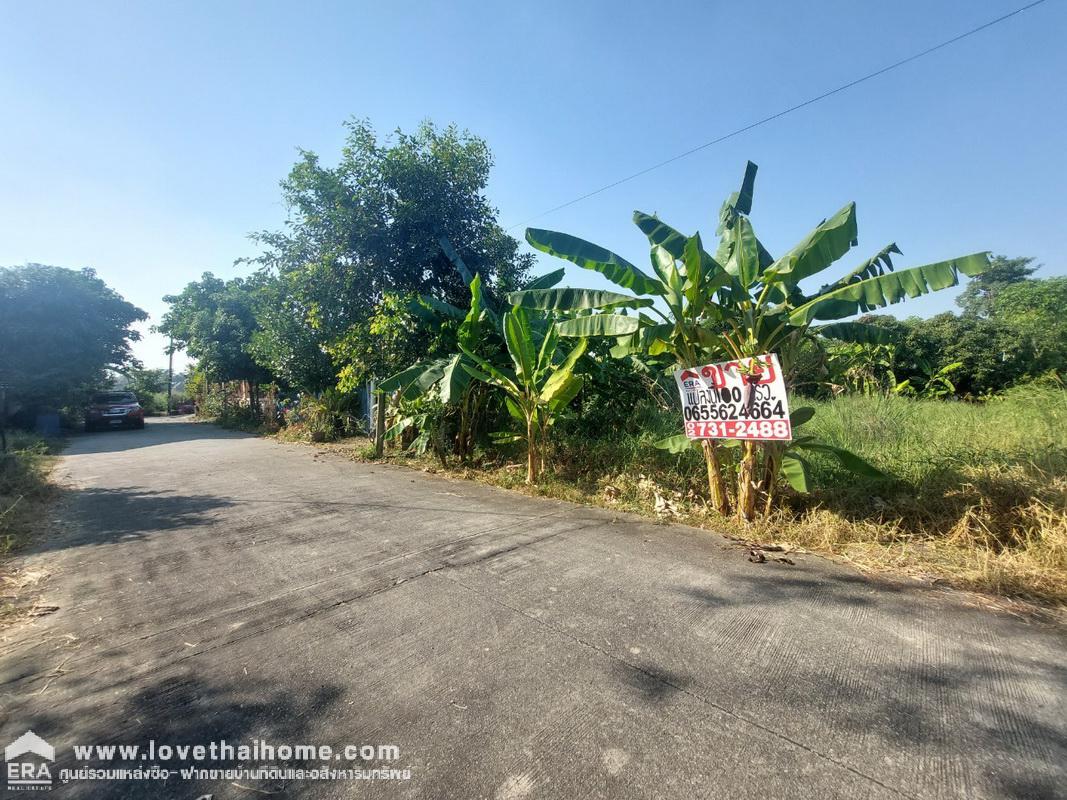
<point>186,407</point>
<point>114,410</point>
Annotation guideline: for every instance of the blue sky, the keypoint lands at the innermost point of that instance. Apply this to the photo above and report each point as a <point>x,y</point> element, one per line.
<point>147,140</point>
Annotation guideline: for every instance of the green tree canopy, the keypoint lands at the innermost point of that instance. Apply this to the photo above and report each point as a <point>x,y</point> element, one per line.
<point>283,342</point>
<point>990,353</point>
<point>214,320</point>
<point>60,330</point>
<point>373,225</point>
<point>1033,309</point>
<point>978,296</point>
<point>145,382</point>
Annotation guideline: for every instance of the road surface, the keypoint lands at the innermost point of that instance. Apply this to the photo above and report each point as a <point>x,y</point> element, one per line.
<point>216,586</point>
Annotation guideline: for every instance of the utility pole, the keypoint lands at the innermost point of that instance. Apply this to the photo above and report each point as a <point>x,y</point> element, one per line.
<point>170,374</point>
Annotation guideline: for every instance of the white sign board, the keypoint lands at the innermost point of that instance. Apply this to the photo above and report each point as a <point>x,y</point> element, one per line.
<point>735,400</point>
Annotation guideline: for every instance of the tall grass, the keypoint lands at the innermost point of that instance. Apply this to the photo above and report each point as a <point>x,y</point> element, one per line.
<point>978,491</point>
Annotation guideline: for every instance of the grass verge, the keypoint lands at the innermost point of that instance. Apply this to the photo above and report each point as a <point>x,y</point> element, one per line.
<point>25,492</point>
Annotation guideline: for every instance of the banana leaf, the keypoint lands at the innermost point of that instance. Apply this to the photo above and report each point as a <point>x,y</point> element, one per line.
<point>855,332</point>
<point>704,275</point>
<point>889,288</point>
<point>563,373</point>
<point>795,471</point>
<point>454,380</point>
<point>487,373</point>
<point>678,443</point>
<point>563,299</point>
<point>830,240</point>
<point>506,437</point>
<point>519,339</point>
<point>443,308</point>
<point>739,202</point>
<point>879,264</point>
<point>598,325</point>
<point>416,379</point>
<point>470,330</point>
<point>660,233</point>
<point>547,351</point>
<point>418,307</point>
<point>744,253</point>
<point>562,392</point>
<point>801,415</point>
<point>590,256</point>
<point>514,410</point>
<point>664,266</point>
<point>848,459</point>
<point>456,259</point>
<point>546,281</point>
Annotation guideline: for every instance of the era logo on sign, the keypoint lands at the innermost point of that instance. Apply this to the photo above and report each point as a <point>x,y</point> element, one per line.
<point>26,759</point>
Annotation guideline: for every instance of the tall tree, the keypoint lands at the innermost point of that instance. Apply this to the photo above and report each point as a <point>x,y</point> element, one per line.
<point>978,296</point>
<point>1033,309</point>
<point>60,331</point>
<point>284,342</point>
<point>373,225</point>
<point>214,320</point>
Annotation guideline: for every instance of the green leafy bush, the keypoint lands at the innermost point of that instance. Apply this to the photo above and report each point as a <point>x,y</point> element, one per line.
<point>331,415</point>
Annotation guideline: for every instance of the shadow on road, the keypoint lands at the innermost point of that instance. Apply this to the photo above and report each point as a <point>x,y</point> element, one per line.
<point>104,516</point>
<point>957,694</point>
<point>192,709</point>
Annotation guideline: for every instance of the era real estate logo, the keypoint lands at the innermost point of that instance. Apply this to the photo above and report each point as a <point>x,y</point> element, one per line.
<point>27,762</point>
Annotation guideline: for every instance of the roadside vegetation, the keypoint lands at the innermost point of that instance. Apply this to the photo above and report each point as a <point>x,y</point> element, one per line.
<point>934,446</point>
<point>64,335</point>
<point>985,512</point>
<point>931,446</point>
<point>25,493</point>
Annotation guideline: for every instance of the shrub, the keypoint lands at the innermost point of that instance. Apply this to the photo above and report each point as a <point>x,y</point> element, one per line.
<point>332,415</point>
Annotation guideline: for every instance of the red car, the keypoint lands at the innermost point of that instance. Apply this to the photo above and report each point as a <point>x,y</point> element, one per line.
<point>114,410</point>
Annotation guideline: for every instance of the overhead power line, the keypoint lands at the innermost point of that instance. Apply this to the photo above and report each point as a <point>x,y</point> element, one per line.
<point>782,113</point>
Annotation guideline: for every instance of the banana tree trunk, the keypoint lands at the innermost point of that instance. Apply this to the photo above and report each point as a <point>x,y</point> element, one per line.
<point>532,459</point>
<point>716,486</point>
<point>772,463</point>
<point>463,437</point>
<point>747,487</point>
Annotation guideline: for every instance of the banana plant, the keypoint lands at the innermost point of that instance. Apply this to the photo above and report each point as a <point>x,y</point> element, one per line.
<point>480,330</point>
<point>675,309</point>
<point>862,368</point>
<point>538,387</point>
<point>938,385</point>
<point>741,302</point>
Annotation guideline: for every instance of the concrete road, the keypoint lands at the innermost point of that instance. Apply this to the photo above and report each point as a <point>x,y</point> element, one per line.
<point>214,586</point>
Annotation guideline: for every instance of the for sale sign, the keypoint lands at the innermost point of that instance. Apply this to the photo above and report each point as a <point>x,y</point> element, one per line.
<point>742,399</point>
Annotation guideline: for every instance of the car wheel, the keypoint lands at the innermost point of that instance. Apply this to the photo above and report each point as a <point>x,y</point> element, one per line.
<point>138,426</point>
<point>89,427</point>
